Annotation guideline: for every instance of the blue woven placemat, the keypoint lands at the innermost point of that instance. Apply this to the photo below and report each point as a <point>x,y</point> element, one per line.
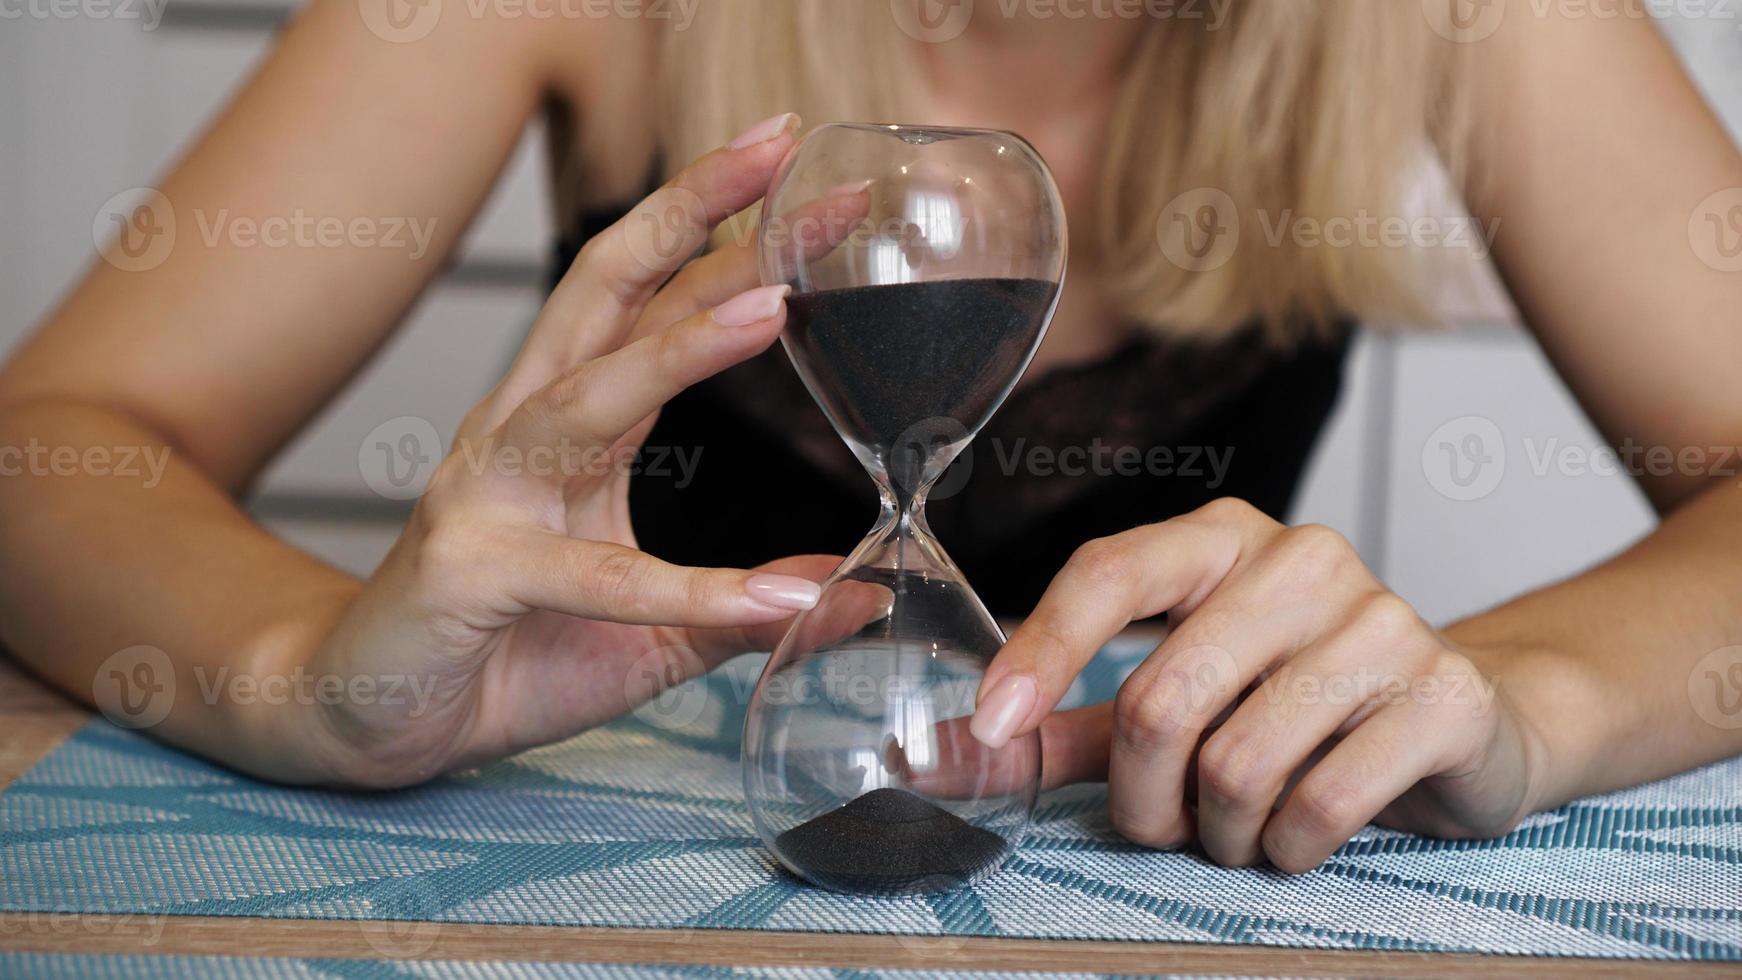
<point>83,967</point>
<point>642,823</point>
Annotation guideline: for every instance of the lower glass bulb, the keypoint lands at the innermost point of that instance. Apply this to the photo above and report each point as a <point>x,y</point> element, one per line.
<point>859,769</point>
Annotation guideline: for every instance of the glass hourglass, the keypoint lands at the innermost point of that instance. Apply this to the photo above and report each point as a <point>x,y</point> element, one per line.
<point>925,265</point>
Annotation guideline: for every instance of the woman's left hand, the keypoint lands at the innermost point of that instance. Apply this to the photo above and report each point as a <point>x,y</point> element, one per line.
<point>1295,697</point>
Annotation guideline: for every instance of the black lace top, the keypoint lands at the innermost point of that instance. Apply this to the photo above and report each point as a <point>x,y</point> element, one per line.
<point>743,468</point>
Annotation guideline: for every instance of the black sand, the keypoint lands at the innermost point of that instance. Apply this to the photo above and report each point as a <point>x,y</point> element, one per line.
<point>888,358</point>
<point>893,842</point>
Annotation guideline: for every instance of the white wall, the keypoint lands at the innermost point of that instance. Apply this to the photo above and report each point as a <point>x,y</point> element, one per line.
<point>91,107</point>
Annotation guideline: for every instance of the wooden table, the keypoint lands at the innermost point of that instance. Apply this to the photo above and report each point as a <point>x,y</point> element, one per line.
<point>34,719</point>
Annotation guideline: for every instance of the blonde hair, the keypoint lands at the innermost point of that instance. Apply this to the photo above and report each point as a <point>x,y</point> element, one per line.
<point>1307,109</point>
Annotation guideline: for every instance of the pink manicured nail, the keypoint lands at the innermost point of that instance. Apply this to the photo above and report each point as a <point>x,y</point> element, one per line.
<point>850,187</point>
<point>1004,708</point>
<point>752,306</point>
<point>783,591</point>
<point>764,131</point>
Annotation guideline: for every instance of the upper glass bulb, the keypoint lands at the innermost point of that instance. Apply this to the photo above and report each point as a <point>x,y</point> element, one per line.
<point>925,264</point>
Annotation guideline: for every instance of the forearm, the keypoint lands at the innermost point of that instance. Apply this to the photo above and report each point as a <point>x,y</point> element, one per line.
<point>115,543</point>
<point>1607,667</point>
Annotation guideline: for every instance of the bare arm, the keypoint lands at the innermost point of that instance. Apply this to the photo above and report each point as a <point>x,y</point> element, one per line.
<point>1598,158</point>
<point>220,354</point>
<point>223,351</point>
<point>1295,698</point>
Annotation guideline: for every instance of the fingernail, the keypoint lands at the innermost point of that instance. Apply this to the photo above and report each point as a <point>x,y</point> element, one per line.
<point>783,591</point>
<point>752,306</point>
<point>1003,709</point>
<point>765,130</point>
<point>850,187</point>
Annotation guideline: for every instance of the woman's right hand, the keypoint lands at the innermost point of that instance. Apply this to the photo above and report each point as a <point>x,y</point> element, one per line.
<point>516,595</point>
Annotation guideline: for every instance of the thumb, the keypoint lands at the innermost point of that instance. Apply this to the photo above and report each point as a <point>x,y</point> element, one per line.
<point>601,580</point>
<point>1074,745</point>
<point>1073,749</point>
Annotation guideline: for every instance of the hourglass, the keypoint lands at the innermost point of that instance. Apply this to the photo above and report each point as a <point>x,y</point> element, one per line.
<point>925,265</point>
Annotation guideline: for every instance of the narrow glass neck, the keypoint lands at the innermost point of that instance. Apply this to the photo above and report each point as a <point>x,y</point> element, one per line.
<point>899,506</point>
<point>906,471</point>
<point>901,540</point>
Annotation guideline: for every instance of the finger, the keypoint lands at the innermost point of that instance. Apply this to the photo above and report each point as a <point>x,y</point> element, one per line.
<point>602,292</point>
<point>602,581</point>
<point>595,403</point>
<point>719,645</point>
<point>707,282</point>
<point>846,608</point>
<point>821,225</point>
<point>620,268</point>
<point>1105,585</point>
<point>1375,764</point>
<point>1291,593</point>
<point>1075,745</point>
<point>1243,769</point>
<point>959,766</point>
